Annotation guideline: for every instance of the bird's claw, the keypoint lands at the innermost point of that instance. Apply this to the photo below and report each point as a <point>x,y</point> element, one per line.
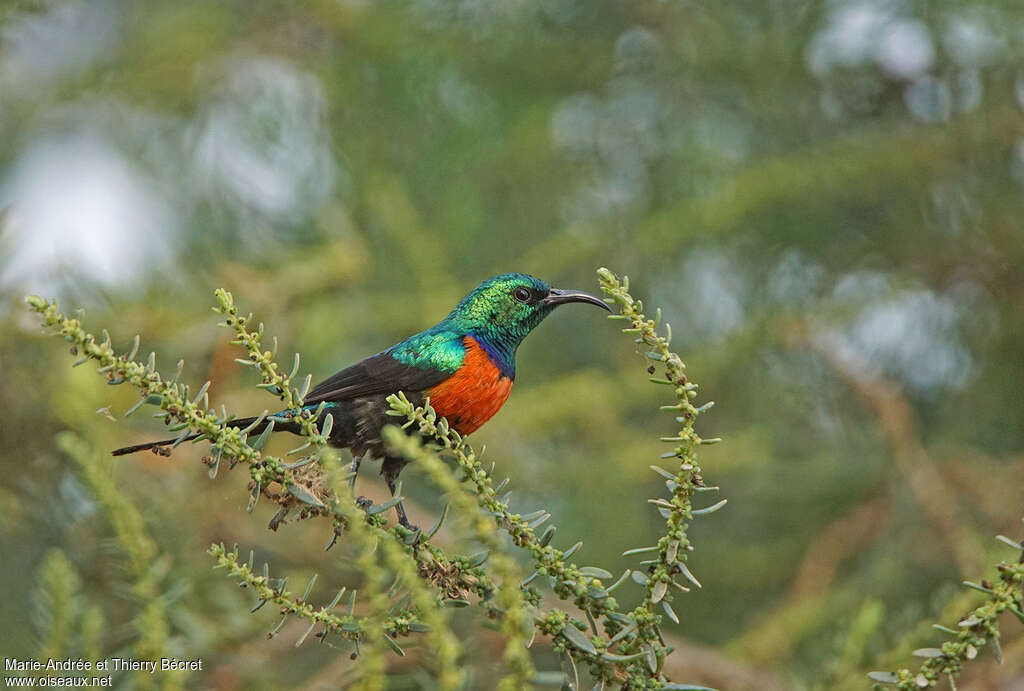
<point>364,503</point>
<point>414,537</point>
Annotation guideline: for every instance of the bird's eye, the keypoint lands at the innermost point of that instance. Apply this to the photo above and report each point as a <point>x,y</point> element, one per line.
<point>521,294</point>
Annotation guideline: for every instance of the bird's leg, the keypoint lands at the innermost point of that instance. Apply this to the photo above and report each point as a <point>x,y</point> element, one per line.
<point>390,472</point>
<point>353,470</point>
<point>403,520</point>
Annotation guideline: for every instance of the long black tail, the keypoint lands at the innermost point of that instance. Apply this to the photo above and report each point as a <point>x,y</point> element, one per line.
<point>240,422</point>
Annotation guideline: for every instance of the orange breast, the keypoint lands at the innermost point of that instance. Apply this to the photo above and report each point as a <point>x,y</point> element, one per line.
<point>472,395</point>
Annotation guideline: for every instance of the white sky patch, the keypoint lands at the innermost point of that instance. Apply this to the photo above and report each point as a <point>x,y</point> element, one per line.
<point>929,99</point>
<point>263,142</point>
<point>461,99</point>
<point>636,51</point>
<point>76,208</point>
<point>708,297</point>
<point>795,279</point>
<point>872,31</point>
<point>911,334</point>
<point>849,37</point>
<point>970,41</point>
<point>38,48</point>
<point>575,123</point>
<point>905,49</point>
<point>618,134</point>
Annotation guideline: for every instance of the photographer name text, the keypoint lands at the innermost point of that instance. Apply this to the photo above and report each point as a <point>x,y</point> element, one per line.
<point>110,664</point>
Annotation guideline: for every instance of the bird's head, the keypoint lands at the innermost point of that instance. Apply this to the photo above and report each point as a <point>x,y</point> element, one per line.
<point>505,308</point>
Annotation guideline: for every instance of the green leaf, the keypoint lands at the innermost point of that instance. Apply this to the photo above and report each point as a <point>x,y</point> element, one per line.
<point>299,463</point>
<point>394,646</point>
<point>302,638</point>
<point>254,496</point>
<point>578,639</point>
<point>595,572</point>
<point>572,550</point>
<point>440,521</point>
<point>620,658</point>
<point>652,659</point>
<point>259,442</point>
<point>336,600</point>
<point>627,630</point>
<point>709,509</point>
<point>689,575</point>
<point>619,582</point>
<point>135,407</point>
<point>883,677</point>
<point>570,675</point>
<point>1002,538</point>
<point>309,588</point>
<point>303,494</point>
<point>664,473</point>
<point>383,506</point>
<point>215,463</point>
<point>640,550</point>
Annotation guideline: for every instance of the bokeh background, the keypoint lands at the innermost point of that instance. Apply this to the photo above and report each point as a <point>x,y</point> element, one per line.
<point>825,199</point>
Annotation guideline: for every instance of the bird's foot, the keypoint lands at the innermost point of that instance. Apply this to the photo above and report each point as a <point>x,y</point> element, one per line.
<point>414,536</point>
<point>364,503</point>
<point>403,519</point>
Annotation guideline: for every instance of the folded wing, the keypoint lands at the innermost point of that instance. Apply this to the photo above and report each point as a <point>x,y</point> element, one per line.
<point>376,375</point>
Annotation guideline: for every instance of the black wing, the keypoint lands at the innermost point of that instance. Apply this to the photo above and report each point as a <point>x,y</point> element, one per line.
<point>377,374</point>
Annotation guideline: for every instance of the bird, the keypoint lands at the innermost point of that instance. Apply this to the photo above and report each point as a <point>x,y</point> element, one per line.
<point>465,364</point>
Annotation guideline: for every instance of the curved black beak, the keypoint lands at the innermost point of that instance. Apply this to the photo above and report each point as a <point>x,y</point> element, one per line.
<point>557,297</point>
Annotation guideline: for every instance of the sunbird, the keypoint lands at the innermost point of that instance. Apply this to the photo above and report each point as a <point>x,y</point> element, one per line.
<point>465,364</point>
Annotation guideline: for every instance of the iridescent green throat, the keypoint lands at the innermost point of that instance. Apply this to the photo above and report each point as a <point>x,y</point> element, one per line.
<point>491,315</point>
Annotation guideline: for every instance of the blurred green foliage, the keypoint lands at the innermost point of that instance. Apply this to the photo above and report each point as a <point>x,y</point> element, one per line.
<point>824,197</point>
